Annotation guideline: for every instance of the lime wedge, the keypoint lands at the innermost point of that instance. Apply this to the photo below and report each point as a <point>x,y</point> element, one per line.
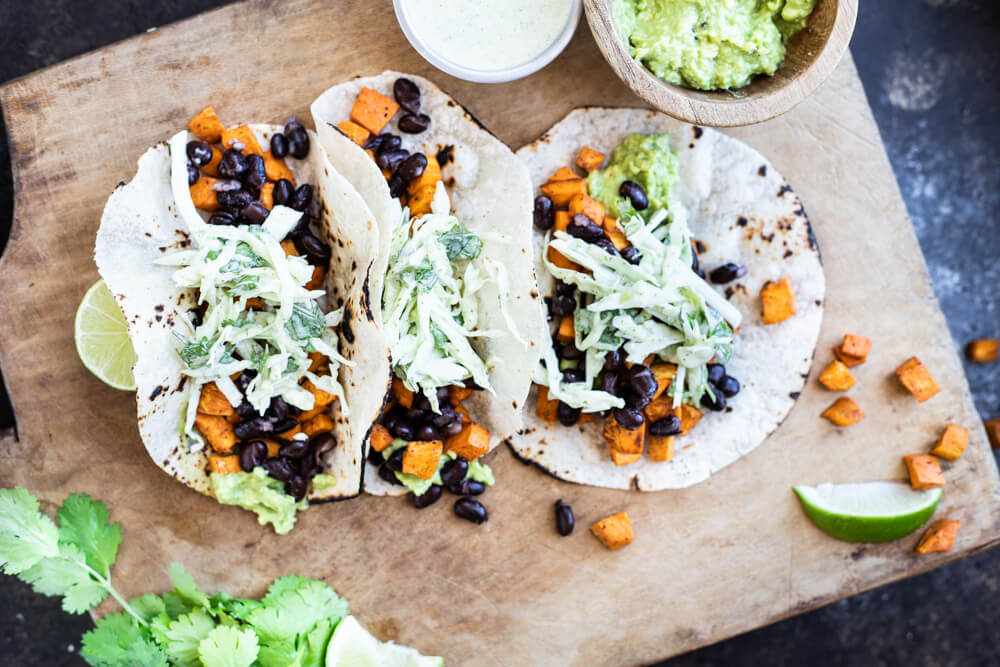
<point>352,646</point>
<point>867,511</point>
<point>102,339</point>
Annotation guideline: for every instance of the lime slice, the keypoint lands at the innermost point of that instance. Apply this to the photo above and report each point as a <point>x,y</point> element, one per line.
<point>352,646</point>
<point>102,339</point>
<point>867,511</point>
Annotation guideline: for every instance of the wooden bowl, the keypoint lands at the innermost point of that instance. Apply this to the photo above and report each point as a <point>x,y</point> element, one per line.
<point>812,55</point>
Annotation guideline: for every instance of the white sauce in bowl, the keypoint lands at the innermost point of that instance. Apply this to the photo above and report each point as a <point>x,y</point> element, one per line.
<point>488,35</point>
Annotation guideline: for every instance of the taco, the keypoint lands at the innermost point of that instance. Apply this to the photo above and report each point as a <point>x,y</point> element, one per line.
<point>454,278</point>
<point>243,277</point>
<point>658,373</point>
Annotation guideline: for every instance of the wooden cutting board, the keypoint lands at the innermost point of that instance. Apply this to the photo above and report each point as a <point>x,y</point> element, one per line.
<point>724,557</point>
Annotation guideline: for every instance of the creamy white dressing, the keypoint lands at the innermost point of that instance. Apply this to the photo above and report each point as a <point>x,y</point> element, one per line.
<point>489,35</point>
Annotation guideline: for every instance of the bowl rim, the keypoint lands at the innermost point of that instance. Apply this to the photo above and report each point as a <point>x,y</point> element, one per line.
<point>483,76</point>
<point>675,100</point>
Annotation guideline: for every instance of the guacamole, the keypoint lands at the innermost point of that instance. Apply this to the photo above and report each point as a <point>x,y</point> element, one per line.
<point>710,44</point>
<point>261,494</point>
<point>645,159</point>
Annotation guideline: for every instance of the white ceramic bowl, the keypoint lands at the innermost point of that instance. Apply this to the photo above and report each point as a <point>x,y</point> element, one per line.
<point>486,76</point>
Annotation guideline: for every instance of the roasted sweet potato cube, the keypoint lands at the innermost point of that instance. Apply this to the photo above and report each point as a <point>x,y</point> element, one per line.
<point>458,394</point>
<point>844,412</point>
<point>615,531</point>
<point>560,260</point>
<point>547,408</point>
<point>430,177</point>
<point>373,110</point>
<point>847,359</point>
<point>223,465</point>
<point>354,132</point>
<point>565,331</point>
<point>661,447</point>
<point>562,221</point>
<point>563,174</point>
<point>586,418</point>
<point>206,125</point>
<point>213,402</point>
<point>622,440</point>
<point>952,443</point>
<point>561,192</point>
<point>255,303</point>
<point>589,159</point>
<point>318,276</point>
<point>664,374</point>
<point>321,423</point>
<point>659,408</point>
<point>401,394</point>
<point>917,379</point>
<point>939,537</point>
<point>992,427</point>
<point>203,195</point>
<point>856,346</point>
<point>588,207</point>
<point>623,459</point>
<point>273,447</point>
<point>217,431</point>
<point>288,434</point>
<point>615,234</point>
<point>309,414</point>
<point>419,202</point>
<point>983,350</point>
<point>288,246</point>
<point>460,409</point>
<point>322,397</point>
<point>690,416</point>
<point>421,458</point>
<point>241,134</point>
<point>266,197</point>
<point>276,168</point>
<point>212,166</point>
<point>778,301</point>
<point>925,471</point>
<point>836,377</point>
<point>380,438</point>
<point>319,363</point>
<point>471,442</point>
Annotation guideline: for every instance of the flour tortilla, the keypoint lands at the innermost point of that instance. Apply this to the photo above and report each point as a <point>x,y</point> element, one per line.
<point>490,193</point>
<point>140,225</point>
<point>742,209</point>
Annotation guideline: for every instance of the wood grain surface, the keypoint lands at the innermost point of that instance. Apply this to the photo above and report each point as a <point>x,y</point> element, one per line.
<point>718,559</point>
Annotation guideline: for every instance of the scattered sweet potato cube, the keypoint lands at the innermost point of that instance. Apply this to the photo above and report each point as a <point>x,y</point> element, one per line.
<point>983,350</point>
<point>952,443</point>
<point>563,174</point>
<point>319,363</point>
<point>354,132</point>
<point>615,531</point>
<point>622,459</point>
<point>778,301</point>
<point>847,359</point>
<point>242,134</point>
<point>622,440</point>
<point>562,221</point>
<point>273,447</point>
<point>588,207</point>
<point>560,260</point>
<point>589,159</point>
<point>844,412</point>
<point>470,443</point>
<point>664,374</point>
<point>213,402</point>
<point>224,465</point>
<point>419,202</point>
<point>659,408</point>
<point>661,447</point>
<point>917,379</point>
<point>276,168</point>
<point>212,166</point>
<point>925,471</point>
<point>458,394</point>
<point>309,414</point>
<point>267,197</point>
<point>401,394</point>
<point>206,125</point>
<point>217,431</point>
<point>320,396</point>
<point>429,178</point>
<point>373,110</point>
<point>318,276</point>
<point>690,416</point>
<point>836,377</point>
<point>615,234</point>
<point>565,332</point>
<point>288,245</point>
<point>380,438</point>
<point>421,458</point>
<point>547,408</point>
<point>939,537</point>
<point>993,432</point>
<point>321,423</point>
<point>203,195</point>
<point>561,192</point>
<point>856,346</point>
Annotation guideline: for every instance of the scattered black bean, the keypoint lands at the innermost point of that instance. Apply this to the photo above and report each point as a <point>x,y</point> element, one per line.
<point>715,373</point>
<point>298,143</point>
<point>295,449</point>
<point>573,375</point>
<point>222,218</point>
<point>568,351</point>
<point>390,159</point>
<point>297,487</point>
<point>729,386</point>
<point>397,186</point>
<point>567,415</point>
<point>224,184</point>
<point>560,306</point>
<point>605,244</point>
<point>283,191</point>
<point>427,433</point>
<point>254,213</point>
<point>420,403</point>
<point>252,454</point>
<point>279,145</point>
<point>404,430</point>
<point>453,427</point>
<point>467,487</point>
<point>395,460</point>
<point>628,418</point>
<point>428,497</point>
<point>635,193</point>
<point>256,174</point>
<point>315,251</point>
<point>386,473</point>
<point>242,380</point>
<point>609,382</point>
<point>414,123</point>
<point>727,272</point>
<point>634,399</point>
<point>292,123</point>
<point>308,465</point>
<point>199,153</point>
<point>278,408</point>
<point>412,167</point>
<point>233,200</point>
<point>631,254</point>
<point>256,427</point>
<point>233,164</point>
<point>387,141</point>
<point>613,360</point>
<point>286,424</point>
<point>564,518</point>
<point>320,444</point>
<point>565,289</point>
<point>302,198</point>
<point>669,425</point>
<point>718,404</point>
<point>375,457</point>
<point>585,229</point>
<point>471,510</point>
<point>279,469</point>
<point>407,95</point>
<point>544,215</point>
<point>193,174</point>
<point>642,380</point>
<point>454,471</point>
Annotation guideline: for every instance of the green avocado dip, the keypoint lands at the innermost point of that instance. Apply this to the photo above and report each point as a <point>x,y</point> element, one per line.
<point>710,44</point>
<point>645,159</point>
<point>261,494</point>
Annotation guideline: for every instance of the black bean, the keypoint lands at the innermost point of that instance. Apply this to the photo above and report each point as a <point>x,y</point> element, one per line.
<point>233,200</point>
<point>199,153</point>
<point>397,186</point>
<point>412,167</point>
<point>407,95</point>
<point>387,141</point>
<point>254,213</point>
<point>544,215</point>
<point>609,382</point>
<point>568,351</point>
<point>635,193</point>
<point>292,123</point>
<point>295,449</point>
<point>193,174</point>
<point>427,433</point>
<point>564,518</point>
<point>315,251</point>
<point>727,272</point>
<point>629,418</point>
<point>715,373</point>
<point>443,394</point>
<point>634,399</point>
<point>471,510</point>
<point>279,145</point>
<point>573,375</point>
<point>242,380</point>
<point>233,164</point>
<point>256,174</point>
<point>390,159</point>
<point>283,191</point>
<point>642,380</point>
<point>613,360</point>
<point>428,497</point>
<point>308,465</point>
<point>584,228</point>
<point>286,424</point>
<point>222,218</point>
<point>386,473</point>
<point>718,404</point>
<point>225,184</point>
<point>454,427</point>
<point>278,408</point>
<point>421,404</point>
<point>298,143</point>
<point>256,427</point>
<point>252,454</point>
<point>560,306</point>
<point>605,244</point>
<point>567,415</point>
<point>454,471</point>
<point>446,416</point>
<point>322,442</point>
<point>565,289</point>
<point>395,460</point>
<point>414,123</point>
<point>403,430</point>
<point>670,425</point>
<point>467,487</point>
<point>631,254</point>
<point>375,457</point>
<point>194,314</point>
<point>279,469</point>
<point>297,487</point>
<point>302,198</point>
<point>729,386</point>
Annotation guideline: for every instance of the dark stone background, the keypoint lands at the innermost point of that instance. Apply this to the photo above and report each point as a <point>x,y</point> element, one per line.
<point>930,68</point>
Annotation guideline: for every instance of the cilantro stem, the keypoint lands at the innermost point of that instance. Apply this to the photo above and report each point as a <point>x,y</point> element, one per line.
<point>106,583</point>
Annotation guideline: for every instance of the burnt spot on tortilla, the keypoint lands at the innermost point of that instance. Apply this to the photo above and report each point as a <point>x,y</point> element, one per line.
<point>158,308</point>
<point>156,392</point>
<point>180,385</point>
<point>767,237</point>
<point>450,182</point>
<point>785,187</point>
<point>148,235</point>
<point>742,221</point>
<point>366,300</point>
<point>340,302</point>
<point>813,243</point>
<point>121,184</point>
<point>762,171</point>
<point>340,243</point>
<point>446,155</point>
<point>514,404</point>
<point>729,408</point>
<point>697,131</point>
<point>345,325</point>
<point>691,145</point>
<point>158,318</point>
<point>534,294</point>
<point>818,302</point>
<point>729,292</point>
<point>794,395</point>
<point>354,265</point>
<point>858,553</point>
<point>700,247</point>
<point>788,253</point>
